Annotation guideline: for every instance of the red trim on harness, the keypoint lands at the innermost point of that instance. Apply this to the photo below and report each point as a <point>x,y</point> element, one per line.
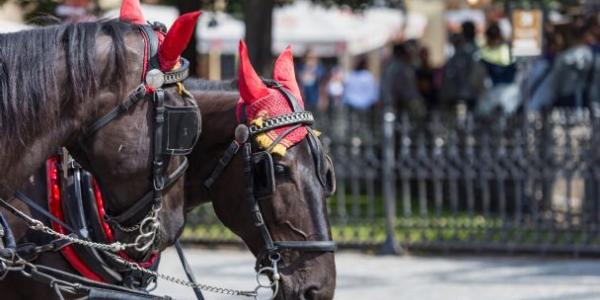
<point>107,231</point>
<point>102,212</point>
<point>55,207</point>
<point>146,39</point>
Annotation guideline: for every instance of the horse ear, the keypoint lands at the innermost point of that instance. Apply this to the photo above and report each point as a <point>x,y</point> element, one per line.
<point>284,71</point>
<point>250,85</point>
<point>132,12</point>
<point>177,38</point>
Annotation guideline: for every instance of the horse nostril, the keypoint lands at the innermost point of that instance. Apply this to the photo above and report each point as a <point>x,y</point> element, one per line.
<point>311,293</point>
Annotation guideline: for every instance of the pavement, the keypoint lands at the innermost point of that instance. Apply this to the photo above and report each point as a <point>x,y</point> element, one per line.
<point>365,276</point>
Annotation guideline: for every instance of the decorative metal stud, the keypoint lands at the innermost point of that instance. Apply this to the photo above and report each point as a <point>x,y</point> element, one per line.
<point>155,78</point>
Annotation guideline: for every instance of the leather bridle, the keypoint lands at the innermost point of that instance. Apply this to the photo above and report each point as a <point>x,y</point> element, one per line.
<point>143,215</point>
<point>244,135</point>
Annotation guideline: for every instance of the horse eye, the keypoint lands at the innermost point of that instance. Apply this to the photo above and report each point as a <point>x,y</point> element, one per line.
<point>281,169</point>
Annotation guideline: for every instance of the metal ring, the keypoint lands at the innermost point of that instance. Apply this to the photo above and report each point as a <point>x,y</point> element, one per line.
<point>274,292</point>
<point>263,271</point>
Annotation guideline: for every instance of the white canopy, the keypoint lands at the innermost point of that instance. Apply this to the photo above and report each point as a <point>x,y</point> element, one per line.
<point>328,31</point>
<point>219,31</point>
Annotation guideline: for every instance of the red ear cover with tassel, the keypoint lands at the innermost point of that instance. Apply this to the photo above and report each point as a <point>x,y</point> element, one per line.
<point>132,12</point>
<point>263,102</point>
<point>177,38</point>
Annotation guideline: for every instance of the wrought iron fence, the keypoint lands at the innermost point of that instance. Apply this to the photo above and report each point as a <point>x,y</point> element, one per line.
<point>454,182</point>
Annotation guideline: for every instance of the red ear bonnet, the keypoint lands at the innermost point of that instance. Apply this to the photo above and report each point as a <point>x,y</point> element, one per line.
<point>283,71</point>
<point>132,12</point>
<point>177,38</point>
<point>250,85</point>
<point>259,102</point>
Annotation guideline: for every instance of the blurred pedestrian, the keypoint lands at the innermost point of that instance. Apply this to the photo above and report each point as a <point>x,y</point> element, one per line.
<point>503,94</point>
<point>575,76</point>
<point>496,56</point>
<point>426,80</point>
<point>463,76</point>
<point>399,83</point>
<point>361,92</point>
<point>311,75</point>
<point>538,94</point>
<point>336,117</point>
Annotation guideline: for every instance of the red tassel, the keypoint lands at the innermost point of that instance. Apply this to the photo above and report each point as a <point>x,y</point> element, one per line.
<point>176,40</point>
<point>283,72</point>
<point>250,85</point>
<point>132,12</point>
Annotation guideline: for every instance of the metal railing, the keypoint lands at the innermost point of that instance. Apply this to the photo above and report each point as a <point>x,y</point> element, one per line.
<point>453,182</point>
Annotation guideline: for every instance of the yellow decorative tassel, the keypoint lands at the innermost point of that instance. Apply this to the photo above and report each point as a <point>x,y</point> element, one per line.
<point>258,122</point>
<point>279,149</point>
<point>316,132</point>
<point>264,141</point>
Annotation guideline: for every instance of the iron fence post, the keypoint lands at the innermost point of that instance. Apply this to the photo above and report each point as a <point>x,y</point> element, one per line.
<point>390,246</point>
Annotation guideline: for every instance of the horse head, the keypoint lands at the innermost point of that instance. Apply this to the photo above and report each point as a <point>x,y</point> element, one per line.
<point>271,184</point>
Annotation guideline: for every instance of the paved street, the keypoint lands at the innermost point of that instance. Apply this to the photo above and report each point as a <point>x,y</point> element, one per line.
<point>371,277</point>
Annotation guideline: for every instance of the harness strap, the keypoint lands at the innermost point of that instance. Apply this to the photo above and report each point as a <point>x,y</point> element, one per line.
<point>7,239</point>
<point>282,136</point>
<point>25,199</point>
<point>76,284</point>
<point>134,97</point>
<point>293,118</point>
<point>315,246</point>
<point>31,251</point>
<point>146,200</point>
<point>188,270</point>
<point>288,95</point>
<point>257,216</point>
<point>158,163</point>
<point>231,151</point>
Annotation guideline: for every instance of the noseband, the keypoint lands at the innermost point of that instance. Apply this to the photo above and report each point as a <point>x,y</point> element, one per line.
<point>261,164</point>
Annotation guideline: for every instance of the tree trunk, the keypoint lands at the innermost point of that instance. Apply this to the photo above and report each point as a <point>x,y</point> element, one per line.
<point>259,23</point>
<point>190,53</point>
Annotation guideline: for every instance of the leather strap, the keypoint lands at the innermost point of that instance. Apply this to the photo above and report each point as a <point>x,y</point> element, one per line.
<point>158,164</point>
<point>224,161</point>
<point>25,199</point>
<point>188,270</point>
<point>145,202</point>
<point>134,97</point>
<point>257,216</point>
<point>6,238</point>
<point>308,246</point>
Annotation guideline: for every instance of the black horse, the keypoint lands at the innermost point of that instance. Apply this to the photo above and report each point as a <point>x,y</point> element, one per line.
<point>64,85</point>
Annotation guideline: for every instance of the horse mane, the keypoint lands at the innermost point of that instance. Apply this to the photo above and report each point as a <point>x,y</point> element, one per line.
<point>45,71</point>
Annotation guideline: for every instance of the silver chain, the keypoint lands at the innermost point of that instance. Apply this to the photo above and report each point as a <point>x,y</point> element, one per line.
<point>210,288</point>
<point>35,224</point>
<point>113,247</point>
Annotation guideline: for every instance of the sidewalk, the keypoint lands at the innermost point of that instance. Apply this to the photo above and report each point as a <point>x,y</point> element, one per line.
<point>412,278</point>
